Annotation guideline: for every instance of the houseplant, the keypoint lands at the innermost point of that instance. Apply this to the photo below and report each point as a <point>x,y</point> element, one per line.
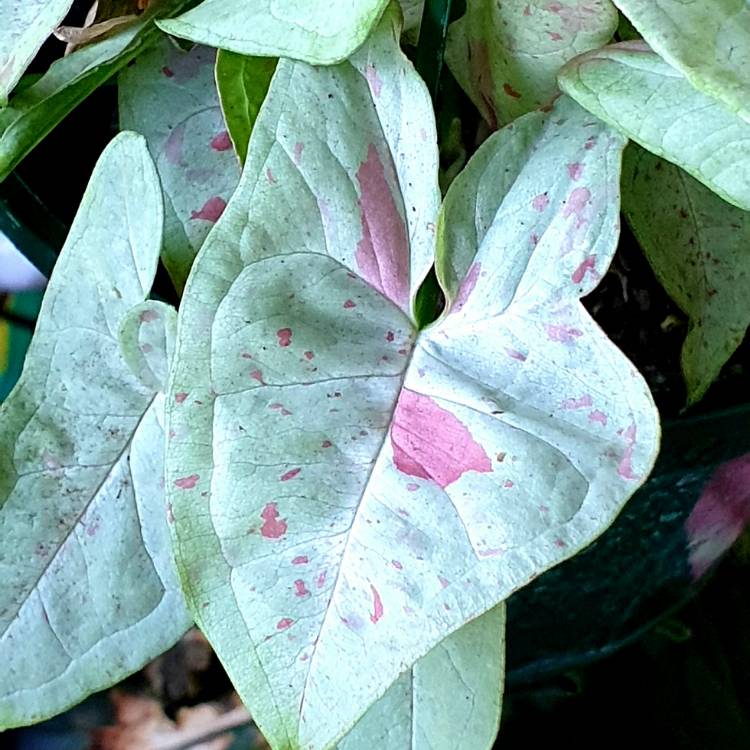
<point>469,453</point>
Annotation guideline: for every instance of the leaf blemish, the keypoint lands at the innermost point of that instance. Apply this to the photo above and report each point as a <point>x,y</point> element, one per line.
<point>273,526</point>
<point>289,475</point>
<point>377,606</point>
<point>212,210</point>
<point>284,335</point>
<point>187,483</point>
<point>221,142</point>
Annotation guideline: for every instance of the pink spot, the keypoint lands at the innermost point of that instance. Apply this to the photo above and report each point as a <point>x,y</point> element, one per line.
<point>575,170</point>
<point>168,72</point>
<point>377,606</point>
<point>300,560</point>
<point>298,147</point>
<point>349,304</point>
<point>467,287</point>
<point>149,316</point>
<point>180,397</point>
<point>273,527</point>
<point>625,467</point>
<point>412,487</point>
<point>554,36</point>
<point>431,443</point>
<point>561,333</point>
<point>309,355</point>
<point>221,142</point>
<point>540,202</point>
<point>257,375</point>
<point>587,266</point>
<point>187,483</point>
<point>290,475</point>
<point>720,515</point>
<point>513,354</point>
<point>389,337</point>
<point>590,143</point>
<point>496,552</point>
<point>559,543</point>
<point>510,91</point>
<point>321,579</point>
<point>577,201</point>
<point>376,84</point>
<point>326,444</point>
<point>284,335</point>
<point>92,528</point>
<point>396,564</point>
<point>212,210</point>
<point>299,588</point>
<point>444,582</point>
<point>173,145</point>
<point>284,623</point>
<point>270,177</point>
<point>246,355</point>
<point>383,252</point>
<point>147,348</point>
<point>508,484</point>
<point>577,403</point>
<point>598,416</point>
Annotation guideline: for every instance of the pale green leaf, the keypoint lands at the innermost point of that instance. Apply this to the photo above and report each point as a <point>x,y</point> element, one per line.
<point>699,248</point>
<point>449,700</point>
<point>26,25</point>
<point>506,55</point>
<point>349,491</point>
<point>38,108</point>
<point>708,40</point>
<point>633,89</point>
<point>89,589</point>
<point>170,96</point>
<point>310,30</point>
<point>243,83</point>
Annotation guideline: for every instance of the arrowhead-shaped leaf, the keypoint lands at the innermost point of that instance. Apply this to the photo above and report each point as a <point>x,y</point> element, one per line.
<point>709,41</point>
<point>242,82</point>
<point>506,55</point>
<point>349,491</point>
<point>449,700</point>
<point>309,30</point>
<point>633,89</point>
<point>170,96</point>
<point>26,25</point>
<point>699,248</point>
<point>37,109</point>
<point>89,589</point>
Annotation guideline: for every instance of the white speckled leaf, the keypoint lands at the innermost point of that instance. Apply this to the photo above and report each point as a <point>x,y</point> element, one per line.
<point>309,30</point>
<point>506,55</point>
<point>634,90</point>
<point>699,248</point>
<point>89,589</point>
<point>26,25</point>
<point>348,491</point>
<point>708,40</point>
<point>449,700</point>
<point>170,96</point>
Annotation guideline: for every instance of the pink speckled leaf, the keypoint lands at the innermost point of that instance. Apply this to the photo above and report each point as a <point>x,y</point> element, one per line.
<point>170,96</point>
<point>348,491</point>
<point>506,55</point>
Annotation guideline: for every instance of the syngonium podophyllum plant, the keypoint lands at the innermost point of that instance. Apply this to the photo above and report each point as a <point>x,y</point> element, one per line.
<point>338,477</point>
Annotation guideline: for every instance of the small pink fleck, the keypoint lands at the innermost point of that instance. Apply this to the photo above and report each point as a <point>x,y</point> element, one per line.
<point>290,475</point>
<point>491,552</point>
<point>180,397</point>
<point>625,467</point>
<point>168,72</point>
<point>514,354</point>
<point>149,316</point>
<point>257,375</point>
<point>590,143</point>
<point>300,560</point>
<point>577,201</point>
<point>269,176</point>
<point>560,543</point>
<point>389,337</point>
<point>554,36</point>
<point>540,202</point>
<point>284,623</point>
<point>412,487</point>
<point>598,416</point>
<point>212,210</point>
<point>187,483</point>
<point>575,170</point>
<point>321,579</point>
<point>284,335</point>
<point>326,444</point>
<point>147,348</point>
<point>299,588</point>
<point>298,147</point>
<point>510,91</point>
<point>246,355</point>
<point>221,142</point>
<point>396,564</point>
<point>309,355</point>
<point>376,84</point>
<point>349,304</point>
<point>587,266</point>
<point>444,582</point>
<point>273,527</point>
<point>561,333</point>
<point>377,606</point>
<point>508,484</point>
<point>304,657</point>
<point>467,287</point>
<point>577,403</point>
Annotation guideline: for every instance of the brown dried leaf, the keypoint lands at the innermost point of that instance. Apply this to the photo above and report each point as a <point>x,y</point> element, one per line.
<point>104,18</point>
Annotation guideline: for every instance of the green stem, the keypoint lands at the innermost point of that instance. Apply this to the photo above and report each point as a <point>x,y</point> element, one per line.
<point>431,48</point>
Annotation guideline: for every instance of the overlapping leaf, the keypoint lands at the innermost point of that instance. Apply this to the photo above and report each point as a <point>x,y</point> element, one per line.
<point>506,55</point>
<point>26,25</point>
<point>699,248</point>
<point>36,110</point>
<point>170,96</point>
<point>633,89</point>
<point>312,30</point>
<point>709,41</point>
<point>348,491</point>
<point>89,589</point>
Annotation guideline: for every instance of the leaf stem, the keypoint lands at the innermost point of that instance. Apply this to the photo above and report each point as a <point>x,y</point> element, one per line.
<point>431,47</point>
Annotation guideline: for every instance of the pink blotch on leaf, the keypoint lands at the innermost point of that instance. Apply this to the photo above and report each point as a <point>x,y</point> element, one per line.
<point>510,91</point>
<point>383,252</point>
<point>289,475</point>
<point>212,210</point>
<point>444,582</point>
<point>720,516</point>
<point>221,142</point>
<point>598,416</point>
<point>349,304</point>
<point>412,487</point>
<point>467,287</point>
<point>554,36</point>
<point>321,579</point>
<point>270,176</point>
<point>187,483</point>
<point>257,375</point>
<point>373,79</point>
<point>514,354</point>
<point>377,606</point>
<point>167,71</point>
<point>309,355</point>
<point>273,526</point>
<point>284,335</point>
<point>560,543</point>
<point>300,560</point>
<point>180,397</point>
<point>587,266</point>
<point>577,403</point>
<point>430,442</point>
<point>326,444</point>
<point>576,203</point>
<point>508,483</point>
<point>540,202</point>
<point>575,170</point>
<point>389,337</point>
<point>149,316</point>
<point>625,467</point>
<point>298,147</point>
<point>590,143</point>
<point>299,588</point>
<point>561,334</point>
<point>396,564</point>
<point>284,623</point>
<point>173,145</point>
